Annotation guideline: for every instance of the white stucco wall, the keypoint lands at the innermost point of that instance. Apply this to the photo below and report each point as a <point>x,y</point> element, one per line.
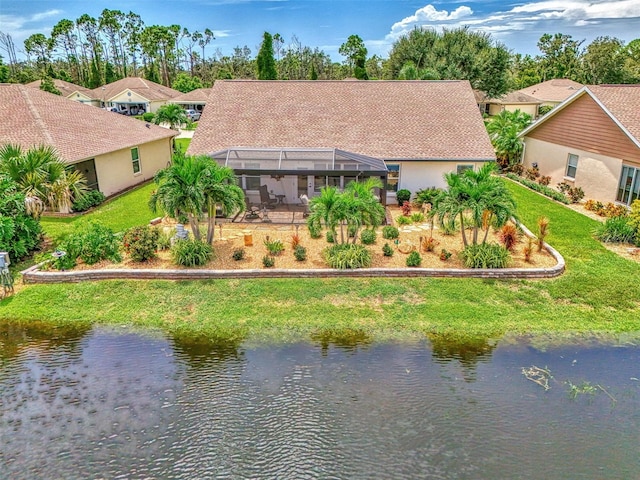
<point>115,170</point>
<point>598,175</point>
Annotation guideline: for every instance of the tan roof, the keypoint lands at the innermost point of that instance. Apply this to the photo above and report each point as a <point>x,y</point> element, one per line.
<point>556,90</point>
<point>623,101</point>
<point>31,117</point>
<point>382,119</point>
<point>145,88</point>
<point>514,98</point>
<point>199,95</point>
<point>66,88</point>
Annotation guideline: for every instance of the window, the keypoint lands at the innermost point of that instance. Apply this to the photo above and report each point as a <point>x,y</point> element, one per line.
<point>135,160</point>
<point>252,182</point>
<point>572,166</point>
<point>629,186</point>
<point>461,168</point>
<point>393,177</point>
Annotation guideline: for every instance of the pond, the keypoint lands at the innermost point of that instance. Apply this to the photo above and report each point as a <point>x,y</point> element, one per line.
<point>107,403</point>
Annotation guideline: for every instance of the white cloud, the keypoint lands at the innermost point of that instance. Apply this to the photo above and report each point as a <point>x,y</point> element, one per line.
<point>429,14</point>
<point>221,33</point>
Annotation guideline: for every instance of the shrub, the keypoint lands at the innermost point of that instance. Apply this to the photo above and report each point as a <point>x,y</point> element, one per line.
<point>141,243</point>
<point>20,233</point>
<point>239,254</point>
<point>429,244</point>
<point>403,195</point>
<point>191,252</point>
<point>389,232</point>
<point>347,256</point>
<point>544,180</point>
<point>613,210</point>
<point>414,259</point>
<point>427,195</point>
<point>417,217</point>
<point>315,230</point>
<point>274,247</point>
<point>330,236</point>
<point>402,220</point>
<point>616,230</point>
<point>532,173</point>
<point>575,194</point>
<point>164,241</point>
<point>268,261</point>
<point>92,242</point>
<point>300,253</point>
<point>295,240</point>
<point>148,116</point>
<point>387,251</point>
<point>368,236</point>
<point>90,199</point>
<point>406,209</point>
<point>634,217</point>
<point>543,231</point>
<point>528,250</point>
<point>508,236</point>
<point>594,206</point>
<point>445,255</point>
<point>485,255</point>
<point>546,191</point>
<point>518,169</point>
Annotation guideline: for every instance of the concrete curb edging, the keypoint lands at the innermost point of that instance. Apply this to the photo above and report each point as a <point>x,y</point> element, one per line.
<point>35,275</point>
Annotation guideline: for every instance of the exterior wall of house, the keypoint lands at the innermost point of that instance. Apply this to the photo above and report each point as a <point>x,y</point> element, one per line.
<point>115,169</point>
<point>585,126</point>
<point>79,97</point>
<point>131,98</point>
<point>598,175</point>
<point>495,109</point>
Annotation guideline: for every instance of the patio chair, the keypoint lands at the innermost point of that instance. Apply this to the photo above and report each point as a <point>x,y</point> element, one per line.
<point>267,200</point>
<point>305,203</point>
<point>252,211</point>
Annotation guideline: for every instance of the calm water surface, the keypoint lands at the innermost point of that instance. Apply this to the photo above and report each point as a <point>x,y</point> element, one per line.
<point>119,404</point>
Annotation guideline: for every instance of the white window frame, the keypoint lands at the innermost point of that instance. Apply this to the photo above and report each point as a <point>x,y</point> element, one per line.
<point>570,165</point>
<point>391,167</point>
<point>635,184</point>
<point>460,168</point>
<point>136,161</point>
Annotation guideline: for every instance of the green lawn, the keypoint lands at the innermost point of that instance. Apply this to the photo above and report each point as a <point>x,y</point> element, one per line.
<point>600,292</point>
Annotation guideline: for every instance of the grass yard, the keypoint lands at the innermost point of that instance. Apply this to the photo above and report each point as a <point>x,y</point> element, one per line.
<point>600,292</point>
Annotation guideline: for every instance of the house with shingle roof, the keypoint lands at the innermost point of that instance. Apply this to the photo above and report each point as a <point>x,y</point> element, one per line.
<point>418,129</point>
<point>592,141</point>
<point>509,102</point>
<point>113,151</point>
<point>135,95</point>
<point>194,100</point>
<point>552,92</point>
<point>71,91</point>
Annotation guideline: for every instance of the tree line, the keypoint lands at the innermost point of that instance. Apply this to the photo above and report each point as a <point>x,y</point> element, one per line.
<point>92,51</point>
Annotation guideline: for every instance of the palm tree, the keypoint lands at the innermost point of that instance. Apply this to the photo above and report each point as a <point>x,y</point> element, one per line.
<point>173,114</point>
<point>323,208</point>
<point>220,190</point>
<point>503,131</point>
<point>43,177</point>
<point>363,207</point>
<point>180,193</point>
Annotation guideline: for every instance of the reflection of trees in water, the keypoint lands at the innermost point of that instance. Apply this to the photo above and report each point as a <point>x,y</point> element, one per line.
<point>468,351</point>
<point>14,338</point>
<point>200,351</point>
<point>347,339</point>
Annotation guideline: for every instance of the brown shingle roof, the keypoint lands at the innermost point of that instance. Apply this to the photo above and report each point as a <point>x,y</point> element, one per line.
<point>199,95</point>
<point>66,88</point>
<point>145,88</point>
<point>514,98</point>
<point>556,90</point>
<point>623,101</point>
<point>382,119</point>
<point>31,117</point>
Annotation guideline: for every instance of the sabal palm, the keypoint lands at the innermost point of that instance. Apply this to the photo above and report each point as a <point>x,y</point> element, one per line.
<point>41,174</point>
<point>172,113</point>
<point>180,193</point>
<point>220,190</point>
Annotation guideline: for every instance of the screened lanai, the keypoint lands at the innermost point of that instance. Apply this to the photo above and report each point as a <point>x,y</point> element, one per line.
<point>289,173</point>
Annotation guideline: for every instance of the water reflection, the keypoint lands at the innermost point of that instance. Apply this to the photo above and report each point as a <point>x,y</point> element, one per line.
<point>117,403</point>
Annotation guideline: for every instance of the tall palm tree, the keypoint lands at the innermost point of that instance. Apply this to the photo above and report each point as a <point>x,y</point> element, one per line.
<point>171,113</point>
<point>220,190</point>
<point>180,193</point>
<point>323,208</point>
<point>364,208</point>
<point>43,177</point>
<point>503,130</point>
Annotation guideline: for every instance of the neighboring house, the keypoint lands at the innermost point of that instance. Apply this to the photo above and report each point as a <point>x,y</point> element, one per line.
<point>298,136</point>
<point>135,95</point>
<point>592,141</point>
<point>193,100</point>
<point>72,91</point>
<point>552,92</point>
<point>510,102</point>
<point>114,152</point>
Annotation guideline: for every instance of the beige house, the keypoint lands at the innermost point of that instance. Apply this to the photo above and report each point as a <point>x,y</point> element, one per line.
<point>194,100</point>
<point>552,92</point>
<point>71,91</point>
<point>113,151</point>
<point>509,102</point>
<point>592,141</point>
<point>298,136</point>
<point>135,95</point>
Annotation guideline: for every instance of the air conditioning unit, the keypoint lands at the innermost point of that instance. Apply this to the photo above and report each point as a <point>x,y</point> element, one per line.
<point>4,260</point>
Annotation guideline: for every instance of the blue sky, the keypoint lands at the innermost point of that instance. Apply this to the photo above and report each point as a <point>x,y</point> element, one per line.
<point>327,23</point>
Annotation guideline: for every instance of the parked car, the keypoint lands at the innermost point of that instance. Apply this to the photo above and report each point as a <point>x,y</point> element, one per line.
<point>111,109</point>
<point>193,115</point>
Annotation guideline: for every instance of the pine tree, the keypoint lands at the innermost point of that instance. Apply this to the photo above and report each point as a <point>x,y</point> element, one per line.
<point>265,61</point>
